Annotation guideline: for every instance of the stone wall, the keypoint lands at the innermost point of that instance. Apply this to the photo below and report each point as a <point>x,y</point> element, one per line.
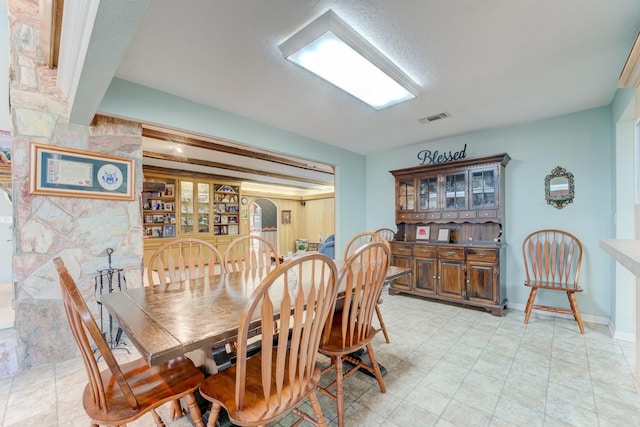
<point>76,229</point>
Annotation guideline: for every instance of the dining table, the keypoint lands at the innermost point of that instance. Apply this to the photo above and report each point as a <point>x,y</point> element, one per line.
<point>167,321</point>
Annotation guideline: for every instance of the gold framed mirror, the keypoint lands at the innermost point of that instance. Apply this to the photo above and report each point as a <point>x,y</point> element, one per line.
<point>559,188</point>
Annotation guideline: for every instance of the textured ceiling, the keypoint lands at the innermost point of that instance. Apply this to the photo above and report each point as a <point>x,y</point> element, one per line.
<point>488,63</point>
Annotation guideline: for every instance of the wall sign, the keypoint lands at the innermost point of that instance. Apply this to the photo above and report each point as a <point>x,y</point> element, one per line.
<point>428,157</point>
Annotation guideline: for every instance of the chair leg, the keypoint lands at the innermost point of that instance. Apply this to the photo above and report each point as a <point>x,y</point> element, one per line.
<point>530,301</point>
<point>317,409</point>
<point>574,308</point>
<point>339,391</point>
<point>383,327</point>
<point>176,410</point>
<point>376,368</point>
<point>157,418</point>
<point>213,415</point>
<point>194,410</point>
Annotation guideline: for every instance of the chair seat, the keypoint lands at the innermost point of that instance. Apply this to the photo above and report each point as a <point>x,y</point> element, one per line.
<point>553,285</point>
<point>221,387</point>
<point>152,386</point>
<point>333,344</point>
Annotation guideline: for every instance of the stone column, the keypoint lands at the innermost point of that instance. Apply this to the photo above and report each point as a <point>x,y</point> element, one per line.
<point>77,230</point>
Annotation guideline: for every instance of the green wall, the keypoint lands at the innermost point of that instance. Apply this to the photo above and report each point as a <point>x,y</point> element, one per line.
<point>580,143</point>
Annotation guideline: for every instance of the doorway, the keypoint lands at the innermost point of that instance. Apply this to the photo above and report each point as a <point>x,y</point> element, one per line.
<point>263,221</point>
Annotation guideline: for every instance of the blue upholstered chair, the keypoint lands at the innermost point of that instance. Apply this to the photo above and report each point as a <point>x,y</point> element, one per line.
<point>327,247</point>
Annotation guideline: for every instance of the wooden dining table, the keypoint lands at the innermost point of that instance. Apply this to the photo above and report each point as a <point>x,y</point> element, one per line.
<point>166,321</point>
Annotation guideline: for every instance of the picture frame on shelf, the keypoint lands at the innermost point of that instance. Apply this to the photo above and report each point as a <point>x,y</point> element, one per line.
<point>423,232</point>
<point>156,231</point>
<point>169,190</point>
<point>169,231</point>
<point>444,235</point>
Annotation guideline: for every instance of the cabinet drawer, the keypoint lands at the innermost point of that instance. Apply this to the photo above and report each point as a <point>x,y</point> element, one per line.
<point>451,253</point>
<point>408,216</point>
<point>450,215</point>
<point>484,255</point>
<point>467,214</point>
<point>425,251</point>
<point>400,249</point>
<point>433,215</point>
<point>488,214</point>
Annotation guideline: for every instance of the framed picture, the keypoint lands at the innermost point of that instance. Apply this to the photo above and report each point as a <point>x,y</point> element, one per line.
<point>444,235</point>
<point>169,190</point>
<point>286,217</point>
<point>156,231</point>
<point>423,232</point>
<point>169,231</point>
<point>57,171</point>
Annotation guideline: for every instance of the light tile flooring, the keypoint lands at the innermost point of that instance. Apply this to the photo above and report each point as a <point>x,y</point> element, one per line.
<point>448,366</point>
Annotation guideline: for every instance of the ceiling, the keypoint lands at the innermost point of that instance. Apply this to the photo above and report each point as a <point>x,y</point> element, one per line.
<point>487,63</point>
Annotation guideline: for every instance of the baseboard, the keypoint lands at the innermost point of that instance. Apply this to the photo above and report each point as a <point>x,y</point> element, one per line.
<point>585,317</point>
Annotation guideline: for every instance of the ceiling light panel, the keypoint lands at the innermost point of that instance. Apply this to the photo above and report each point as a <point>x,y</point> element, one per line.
<point>331,49</point>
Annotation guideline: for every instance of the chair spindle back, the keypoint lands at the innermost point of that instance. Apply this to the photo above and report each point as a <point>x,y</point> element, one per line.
<point>184,259</point>
<point>249,253</point>
<point>85,329</point>
<point>305,287</point>
<point>360,240</point>
<point>362,278</point>
<point>552,256</point>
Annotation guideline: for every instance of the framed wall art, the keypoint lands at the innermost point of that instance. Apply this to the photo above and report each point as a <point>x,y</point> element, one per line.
<point>286,217</point>
<point>58,171</point>
<point>423,232</point>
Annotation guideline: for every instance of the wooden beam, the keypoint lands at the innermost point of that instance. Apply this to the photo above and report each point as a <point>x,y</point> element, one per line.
<point>50,30</point>
<point>630,75</point>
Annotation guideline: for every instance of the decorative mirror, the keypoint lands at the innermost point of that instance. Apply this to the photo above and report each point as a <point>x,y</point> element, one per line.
<point>558,188</point>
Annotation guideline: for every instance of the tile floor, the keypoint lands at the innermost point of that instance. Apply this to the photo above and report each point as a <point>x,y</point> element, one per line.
<point>448,366</point>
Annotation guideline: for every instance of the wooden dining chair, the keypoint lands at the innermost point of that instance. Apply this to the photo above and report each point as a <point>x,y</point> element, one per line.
<point>350,329</point>
<point>258,390</point>
<point>387,233</point>
<point>183,259</point>
<point>124,392</point>
<point>552,260</point>
<point>356,242</point>
<point>250,252</point>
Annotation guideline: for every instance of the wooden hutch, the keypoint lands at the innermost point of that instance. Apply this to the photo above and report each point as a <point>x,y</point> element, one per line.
<point>450,219</point>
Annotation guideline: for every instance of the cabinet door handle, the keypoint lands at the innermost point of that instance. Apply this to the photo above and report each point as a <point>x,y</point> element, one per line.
<point>451,253</point>
<point>434,276</point>
<point>480,255</point>
<point>400,249</point>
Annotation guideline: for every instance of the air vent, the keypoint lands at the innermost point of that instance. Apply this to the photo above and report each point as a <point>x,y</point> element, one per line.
<point>433,118</point>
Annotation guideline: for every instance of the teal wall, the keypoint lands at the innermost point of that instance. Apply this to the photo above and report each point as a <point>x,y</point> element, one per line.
<point>131,101</point>
<point>580,143</point>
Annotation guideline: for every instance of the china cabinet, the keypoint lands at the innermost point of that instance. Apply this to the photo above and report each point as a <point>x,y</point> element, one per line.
<point>158,210</point>
<point>464,200</point>
<point>191,206</point>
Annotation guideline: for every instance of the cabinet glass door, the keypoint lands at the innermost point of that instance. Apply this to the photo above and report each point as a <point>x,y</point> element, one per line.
<point>204,192</point>
<point>455,191</point>
<point>186,206</point>
<point>483,190</point>
<point>406,194</point>
<point>428,194</point>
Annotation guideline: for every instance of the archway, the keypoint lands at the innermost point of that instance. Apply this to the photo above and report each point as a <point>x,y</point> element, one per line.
<point>263,221</point>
